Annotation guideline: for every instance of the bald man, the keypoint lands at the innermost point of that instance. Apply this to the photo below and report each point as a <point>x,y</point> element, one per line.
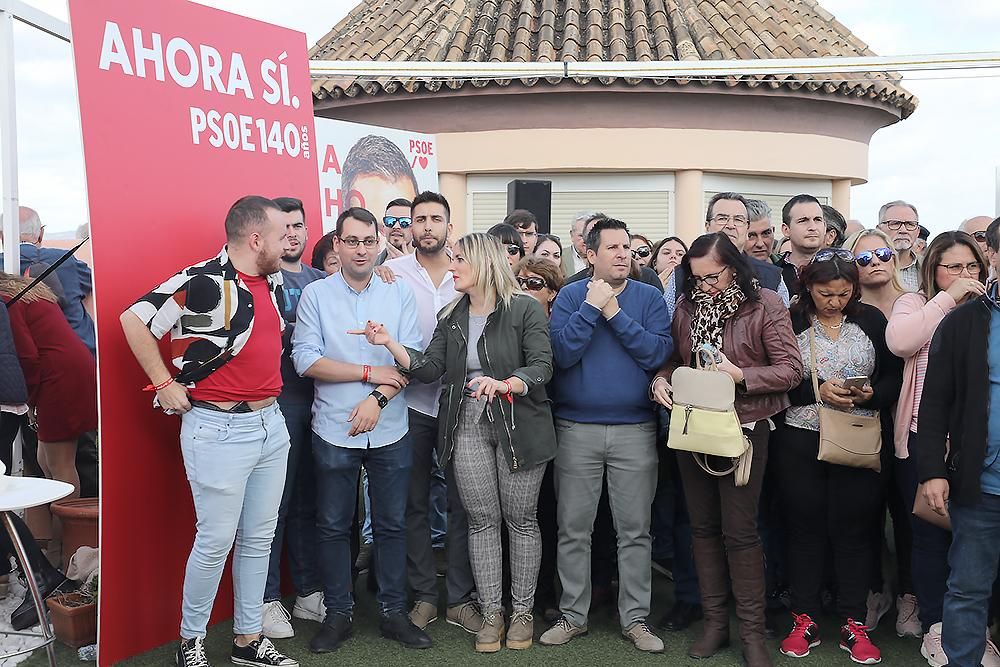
<point>976,228</point>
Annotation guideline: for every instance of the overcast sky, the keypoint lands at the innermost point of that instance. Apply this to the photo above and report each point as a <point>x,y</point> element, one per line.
<point>943,158</point>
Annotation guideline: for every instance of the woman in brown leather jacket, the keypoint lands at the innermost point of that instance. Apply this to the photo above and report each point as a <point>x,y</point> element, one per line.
<point>723,306</point>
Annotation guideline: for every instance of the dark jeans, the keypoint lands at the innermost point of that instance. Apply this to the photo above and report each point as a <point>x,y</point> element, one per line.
<point>337,470</point>
<point>548,528</point>
<point>685,576</point>
<point>420,564</point>
<point>297,512</point>
<point>975,550</point>
<point>773,536</point>
<point>826,504</point>
<point>930,545</point>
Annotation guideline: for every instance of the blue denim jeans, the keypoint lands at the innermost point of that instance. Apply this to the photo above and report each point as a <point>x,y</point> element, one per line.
<point>439,505</point>
<point>973,557</point>
<point>337,470</point>
<point>929,561</point>
<point>297,513</point>
<point>366,528</point>
<point>236,466</point>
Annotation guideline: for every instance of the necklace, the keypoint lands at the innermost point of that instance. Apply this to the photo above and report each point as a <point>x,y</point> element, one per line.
<point>832,326</point>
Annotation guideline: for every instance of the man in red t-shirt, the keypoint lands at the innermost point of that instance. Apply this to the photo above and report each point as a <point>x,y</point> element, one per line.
<point>225,330</point>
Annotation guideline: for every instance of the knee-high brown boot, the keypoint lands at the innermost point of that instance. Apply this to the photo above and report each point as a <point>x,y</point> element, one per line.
<point>713,580</point>
<point>747,569</point>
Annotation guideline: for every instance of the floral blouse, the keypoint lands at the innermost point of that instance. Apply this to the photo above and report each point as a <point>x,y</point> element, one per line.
<point>852,354</point>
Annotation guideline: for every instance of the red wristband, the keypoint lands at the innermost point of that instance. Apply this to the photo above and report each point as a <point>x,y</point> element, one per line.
<point>366,373</point>
<point>163,385</point>
<point>510,391</point>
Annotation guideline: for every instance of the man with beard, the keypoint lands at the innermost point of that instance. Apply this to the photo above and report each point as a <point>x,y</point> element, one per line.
<point>396,231</point>
<point>225,328</point>
<point>804,225</point>
<point>355,423</point>
<point>428,275</point>
<point>297,511</point>
<point>900,221</point>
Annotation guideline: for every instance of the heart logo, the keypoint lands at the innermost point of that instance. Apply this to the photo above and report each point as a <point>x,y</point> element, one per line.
<point>423,162</point>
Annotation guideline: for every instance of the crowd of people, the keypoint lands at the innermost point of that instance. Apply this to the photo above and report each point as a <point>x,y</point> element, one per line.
<point>527,386</point>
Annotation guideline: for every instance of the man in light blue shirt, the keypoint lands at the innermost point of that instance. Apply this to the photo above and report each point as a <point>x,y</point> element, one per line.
<point>355,423</point>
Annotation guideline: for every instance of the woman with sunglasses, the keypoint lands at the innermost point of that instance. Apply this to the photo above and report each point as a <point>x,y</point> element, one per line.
<point>839,337</point>
<point>510,240</point>
<point>549,248</point>
<point>642,249</point>
<point>491,347</point>
<point>723,306</point>
<point>880,287</point>
<point>953,271</point>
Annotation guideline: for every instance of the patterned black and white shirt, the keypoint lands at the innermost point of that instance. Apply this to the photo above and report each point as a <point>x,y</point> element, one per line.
<point>209,313</point>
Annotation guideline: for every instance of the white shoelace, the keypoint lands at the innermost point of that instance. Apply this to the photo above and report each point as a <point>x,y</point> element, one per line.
<point>194,655</point>
<point>283,614</point>
<point>266,651</point>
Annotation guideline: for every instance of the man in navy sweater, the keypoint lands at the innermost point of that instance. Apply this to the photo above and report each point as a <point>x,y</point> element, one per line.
<point>609,336</point>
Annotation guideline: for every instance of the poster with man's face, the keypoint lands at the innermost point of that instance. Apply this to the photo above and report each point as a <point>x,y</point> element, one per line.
<point>369,166</point>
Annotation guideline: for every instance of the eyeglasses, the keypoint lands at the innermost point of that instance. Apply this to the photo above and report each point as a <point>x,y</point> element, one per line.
<point>710,279</point>
<point>828,254</point>
<point>352,242</point>
<point>531,283</point>
<point>642,251</point>
<point>979,236</point>
<point>391,220</point>
<point>723,219</point>
<point>865,258</point>
<point>956,269</point>
<point>514,249</point>
<point>894,225</point>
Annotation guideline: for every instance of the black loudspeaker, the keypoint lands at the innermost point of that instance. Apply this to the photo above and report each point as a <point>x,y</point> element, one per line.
<point>535,196</point>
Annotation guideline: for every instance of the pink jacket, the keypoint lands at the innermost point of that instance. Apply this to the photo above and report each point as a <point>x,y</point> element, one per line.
<point>912,324</point>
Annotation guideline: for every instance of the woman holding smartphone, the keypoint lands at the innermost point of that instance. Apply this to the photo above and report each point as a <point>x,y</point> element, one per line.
<point>842,341</point>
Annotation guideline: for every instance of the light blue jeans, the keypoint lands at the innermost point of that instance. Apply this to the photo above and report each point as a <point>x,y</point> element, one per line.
<point>236,465</point>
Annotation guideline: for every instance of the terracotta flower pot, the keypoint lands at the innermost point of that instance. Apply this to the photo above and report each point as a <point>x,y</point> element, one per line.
<point>74,621</point>
<point>79,525</point>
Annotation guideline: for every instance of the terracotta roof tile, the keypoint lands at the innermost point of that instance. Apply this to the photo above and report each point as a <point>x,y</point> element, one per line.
<point>597,30</point>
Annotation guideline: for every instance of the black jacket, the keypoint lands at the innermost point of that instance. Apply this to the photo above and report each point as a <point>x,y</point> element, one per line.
<point>12,388</point>
<point>515,342</point>
<point>886,379</point>
<point>955,402</point>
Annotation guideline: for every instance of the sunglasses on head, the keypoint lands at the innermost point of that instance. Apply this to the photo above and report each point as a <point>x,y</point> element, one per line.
<point>391,220</point>
<point>530,283</point>
<point>513,249</point>
<point>979,236</point>
<point>865,258</point>
<point>828,254</point>
<point>641,251</point>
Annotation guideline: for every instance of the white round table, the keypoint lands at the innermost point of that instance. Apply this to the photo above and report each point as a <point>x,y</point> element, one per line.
<point>17,493</point>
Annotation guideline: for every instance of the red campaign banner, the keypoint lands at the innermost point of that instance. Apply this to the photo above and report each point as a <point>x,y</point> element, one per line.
<point>184,110</point>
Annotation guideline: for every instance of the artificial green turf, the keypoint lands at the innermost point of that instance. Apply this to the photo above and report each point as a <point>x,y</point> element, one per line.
<point>452,646</point>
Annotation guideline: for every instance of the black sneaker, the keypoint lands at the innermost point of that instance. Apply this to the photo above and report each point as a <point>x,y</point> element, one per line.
<point>336,629</point>
<point>261,653</point>
<point>681,616</point>
<point>191,653</point>
<point>400,628</point>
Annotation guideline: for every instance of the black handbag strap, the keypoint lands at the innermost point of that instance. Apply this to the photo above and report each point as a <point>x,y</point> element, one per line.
<point>44,274</point>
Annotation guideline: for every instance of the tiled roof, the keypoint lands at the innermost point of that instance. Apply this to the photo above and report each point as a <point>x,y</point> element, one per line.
<point>610,30</point>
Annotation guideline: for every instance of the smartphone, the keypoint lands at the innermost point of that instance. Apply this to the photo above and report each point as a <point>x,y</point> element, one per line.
<point>712,352</point>
<point>855,381</point>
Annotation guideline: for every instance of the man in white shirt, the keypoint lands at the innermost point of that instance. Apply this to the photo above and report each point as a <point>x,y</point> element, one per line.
<point>575,260</point>
<point>427,273</point>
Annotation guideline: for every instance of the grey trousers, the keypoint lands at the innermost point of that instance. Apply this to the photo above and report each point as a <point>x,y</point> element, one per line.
<point>493,494</point>
<point>628,453</point>
<point>420,565</point>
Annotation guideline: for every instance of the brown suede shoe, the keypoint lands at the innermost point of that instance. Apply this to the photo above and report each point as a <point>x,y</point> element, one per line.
<point>423,613</point>
<point>490,636</point>
<point>521,630</point>
<point>466,616</point>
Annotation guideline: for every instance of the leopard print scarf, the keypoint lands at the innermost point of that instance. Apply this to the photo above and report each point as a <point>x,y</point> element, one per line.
<point>711,313</point>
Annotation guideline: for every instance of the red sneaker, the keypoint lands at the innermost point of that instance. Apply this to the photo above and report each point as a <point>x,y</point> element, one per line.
<point>854,639</point>
<point>804,636</point>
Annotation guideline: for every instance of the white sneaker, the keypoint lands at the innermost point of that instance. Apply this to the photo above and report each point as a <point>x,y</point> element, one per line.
<point>277,622</point>
<point>310,607</point>
<point>879,605</point>
<point>992,657</point>
<point>931,649</point>
<point>907,618</point>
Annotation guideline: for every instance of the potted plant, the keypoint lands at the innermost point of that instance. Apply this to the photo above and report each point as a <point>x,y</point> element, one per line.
<point>74,615</point>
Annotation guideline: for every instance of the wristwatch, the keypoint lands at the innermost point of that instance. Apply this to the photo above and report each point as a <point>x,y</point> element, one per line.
<point>380,397</point>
